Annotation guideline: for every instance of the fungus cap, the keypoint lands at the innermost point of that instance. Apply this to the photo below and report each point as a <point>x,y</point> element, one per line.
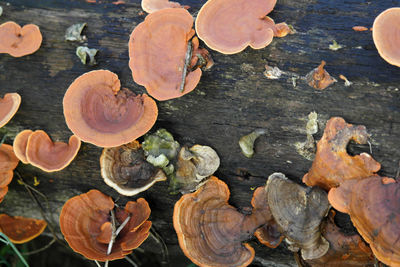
<point>125,169</point>
<point>9,105</point>
<point>85,222</point>
<point>20,229</point>
<point>151,6</point>
<point>210,231</point>
<point>20,144</point>
<point>3,192</point>
<point>157,52</point>
<point>229,26</point>
<point>298,211</point>
<point>332,164</point>
<point>97,111</point>
<point>18,41</point>
<point>8,162</point>
<point>50,156</point>
<point>374,208</point>
<point>385,33</point>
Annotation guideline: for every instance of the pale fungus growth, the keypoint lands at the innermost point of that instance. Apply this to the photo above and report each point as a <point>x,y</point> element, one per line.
<point>246,142</point>
<point>335,46</point>
<point>74,33</point>
<point>83,52</point>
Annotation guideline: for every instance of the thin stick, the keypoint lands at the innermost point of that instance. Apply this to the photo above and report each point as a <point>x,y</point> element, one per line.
<point>160,241</point>
<point>114,232</point>
<point>188,57</point>
<point>97,263</point>
<point>122,226</point>
<point>131,261</point>
<point>3,139</point>
<point>40,249</point>
<point>370,147</point>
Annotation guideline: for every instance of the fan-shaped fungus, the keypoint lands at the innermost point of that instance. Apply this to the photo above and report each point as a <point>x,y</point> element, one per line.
<point>20,229</point>
<point>3,192</point>
<point>99,112</point>
<point>298,211</point>
<point>160,53</point>
<point>332,164</point>
<point>20,144</point>
<point>9,105</point>
<point>125,169</point>
<point>8,162</point>
<point>18,41</point>
<point>229,26</point>
<point>385,33</point>
<point>210,231</point>
<point>50,156</point>
<point>374,208</point>
<point>268,234</point>
<point>151,6</point>
<point>85,222</point>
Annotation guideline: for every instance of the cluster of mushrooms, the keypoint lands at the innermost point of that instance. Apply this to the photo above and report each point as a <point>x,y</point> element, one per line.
<point>211,232</point>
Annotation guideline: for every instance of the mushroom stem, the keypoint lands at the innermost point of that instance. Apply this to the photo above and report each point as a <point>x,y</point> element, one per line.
<point>188,57</point>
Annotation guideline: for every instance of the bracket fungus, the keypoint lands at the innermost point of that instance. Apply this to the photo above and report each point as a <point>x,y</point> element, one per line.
<point>86,224</point>
<point>98,111</point>
<point>9,105</point>
<point>125,169</point>
<point>344,250</point>
<point>229,26</point>
<point>20,229</point>
<point>332,164</point>
<point>268,234</point>
<point>20,145</point>
<point>8,162</point>
<point>210,231</point>
<point>193,165</point>
<point>298,211</point>
<point>374,208</point>
<point>160,52</point>
<point>50,156</point>
<point>385,33</point>
<point>151,6</point>
<point>17,41</point>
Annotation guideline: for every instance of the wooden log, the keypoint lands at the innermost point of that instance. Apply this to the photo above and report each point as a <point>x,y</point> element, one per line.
<point>231,100</point>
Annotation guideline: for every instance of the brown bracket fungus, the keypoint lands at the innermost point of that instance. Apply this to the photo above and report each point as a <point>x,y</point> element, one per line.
<point>125,169</point>
<point>20,229</point>
<point>20,144</point>
<point>386,35</point>
<point>210,231</point>
<point>8,162</point>
<point>18,41</point>
<point>344,250</point>
<point>332,164</point>
<point>98,111</point>
<point>160,52</point>
<point>268,234</point>
<point>151,6</point>
<point>229,26</point>
<point>374,208</point>
<point>50,156</point>
<point>298,211</point>
<point>319,78</point>
<point>9,105</point>
<point>85,222</point>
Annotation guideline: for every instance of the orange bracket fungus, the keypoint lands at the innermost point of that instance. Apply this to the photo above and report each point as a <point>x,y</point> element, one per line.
<point>298,211</point>
<point>50,156</point>
<point>20,229</point>
<point>161,52</point>
<point>151,6</point>
<point>210,231</point>
<point>87,223</point>
<point>386,35</point>
<point>9,105</point>
<point>18,41</point>
<point>374,208</point>
<point>268,234</point>
<point>344,250</point>
<point>8,162</point>
<point>229,26</point>
<point>319,78</point>
<point>332,164</point>
<point>20,144</point>
<point>125,169</point>
<point>98,111</point>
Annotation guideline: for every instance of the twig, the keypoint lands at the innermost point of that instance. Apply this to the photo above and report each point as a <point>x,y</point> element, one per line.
<point>122,226</point>
<point>97,263</point>
<point>188,57</point>
<point>131,261</point>
<point>114,232</point>
<point>40,249</point>
<point>160,241</point>
<point>370,147</point>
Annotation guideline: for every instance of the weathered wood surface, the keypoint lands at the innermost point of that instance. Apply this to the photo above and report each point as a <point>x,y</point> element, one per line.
<point>231,100</point>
